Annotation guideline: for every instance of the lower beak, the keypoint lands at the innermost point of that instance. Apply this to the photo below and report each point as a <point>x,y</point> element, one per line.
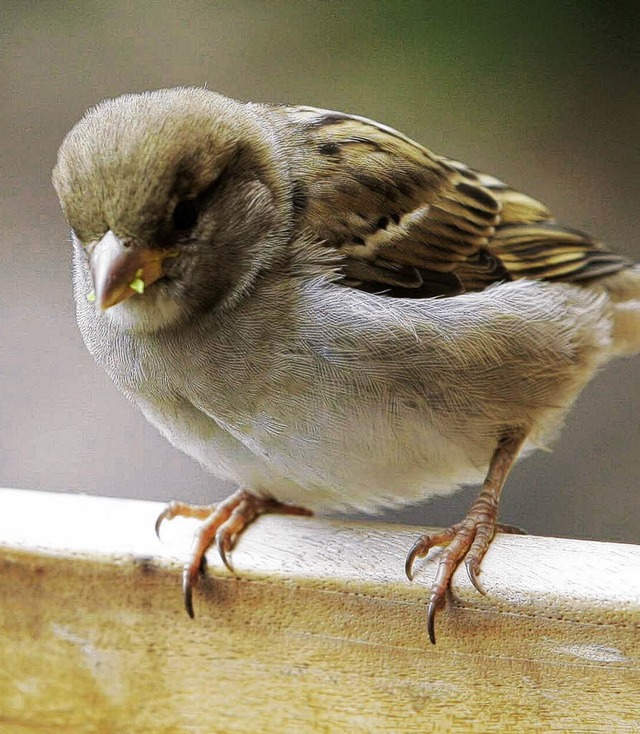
<point>120,271</point>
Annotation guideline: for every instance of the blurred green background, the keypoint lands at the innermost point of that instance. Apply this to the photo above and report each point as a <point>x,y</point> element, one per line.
<point>546,95</point>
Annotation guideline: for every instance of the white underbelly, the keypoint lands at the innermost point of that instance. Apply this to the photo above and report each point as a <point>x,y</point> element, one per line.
<point>321,467</point>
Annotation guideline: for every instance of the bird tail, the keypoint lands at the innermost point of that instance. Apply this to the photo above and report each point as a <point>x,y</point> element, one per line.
<point>623,289</point>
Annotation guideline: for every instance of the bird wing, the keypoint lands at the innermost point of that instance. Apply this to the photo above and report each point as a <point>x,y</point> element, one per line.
<point>411,223</point>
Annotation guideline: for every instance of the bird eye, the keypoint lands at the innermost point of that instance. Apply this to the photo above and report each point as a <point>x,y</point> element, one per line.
<point>185,215</point>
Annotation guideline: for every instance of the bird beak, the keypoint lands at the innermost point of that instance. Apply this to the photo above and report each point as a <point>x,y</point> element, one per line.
<point>119,271</point>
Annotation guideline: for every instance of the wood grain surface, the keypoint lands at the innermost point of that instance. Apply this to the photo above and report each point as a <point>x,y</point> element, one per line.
<point>318,631</point>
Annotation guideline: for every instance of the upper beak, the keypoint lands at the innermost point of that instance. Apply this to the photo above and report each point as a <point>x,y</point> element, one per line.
<point>115,266</point>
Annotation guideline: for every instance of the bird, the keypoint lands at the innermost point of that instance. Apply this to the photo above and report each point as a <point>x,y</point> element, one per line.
<point>328,314</point>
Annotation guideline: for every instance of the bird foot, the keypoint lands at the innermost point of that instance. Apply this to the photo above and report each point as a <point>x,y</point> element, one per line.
<point>222,523</point>
<point>468,539</point>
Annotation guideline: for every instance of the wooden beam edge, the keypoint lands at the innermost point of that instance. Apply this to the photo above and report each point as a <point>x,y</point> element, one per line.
<point>586,582</point>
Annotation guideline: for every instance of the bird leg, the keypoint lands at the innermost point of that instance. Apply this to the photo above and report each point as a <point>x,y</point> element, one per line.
<point>470,538</point>
<point>222,523</point>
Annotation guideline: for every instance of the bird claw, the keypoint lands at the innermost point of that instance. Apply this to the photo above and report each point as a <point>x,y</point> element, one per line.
<point>224,543</point>
<point>412,555</point>
<point>434,605</point>
<point>164,515</point>
<point>190,576</point>
<point>181,509</point>
<point>472,566</point>
<point>187,591</point>
<point>424,544</point>
<point>418,550</point>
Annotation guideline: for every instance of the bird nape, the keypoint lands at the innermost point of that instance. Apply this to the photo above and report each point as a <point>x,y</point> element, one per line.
<point>314,306</point>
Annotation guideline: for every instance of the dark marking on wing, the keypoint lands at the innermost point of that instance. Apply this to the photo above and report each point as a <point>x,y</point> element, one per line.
<point>299,198</point>
<point>329,149</point>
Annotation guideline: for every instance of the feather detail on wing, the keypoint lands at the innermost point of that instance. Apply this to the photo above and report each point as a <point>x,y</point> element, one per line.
<point>413,224</point>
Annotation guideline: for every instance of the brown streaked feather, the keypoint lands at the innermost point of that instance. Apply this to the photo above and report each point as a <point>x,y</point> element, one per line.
<point>414,224</point>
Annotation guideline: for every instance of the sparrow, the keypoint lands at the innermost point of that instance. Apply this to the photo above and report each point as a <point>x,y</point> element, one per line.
<point>318,308</point>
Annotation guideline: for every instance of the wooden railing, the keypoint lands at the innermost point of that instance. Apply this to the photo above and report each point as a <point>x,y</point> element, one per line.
<point>319,631</point>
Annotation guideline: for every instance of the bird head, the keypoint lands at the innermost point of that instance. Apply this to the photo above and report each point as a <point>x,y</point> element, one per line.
<point>175,199</point>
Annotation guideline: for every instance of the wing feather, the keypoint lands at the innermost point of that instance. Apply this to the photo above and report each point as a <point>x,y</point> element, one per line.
<point>412,223</point>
